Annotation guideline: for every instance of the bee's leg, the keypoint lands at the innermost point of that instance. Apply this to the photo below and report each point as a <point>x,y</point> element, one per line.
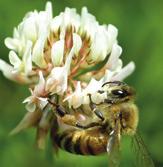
<point>72,120</point>
<point>63,115</point>
<point>92,124</point>
<point>59,109</point>
<point>97,112</point>
<point>69,120</point>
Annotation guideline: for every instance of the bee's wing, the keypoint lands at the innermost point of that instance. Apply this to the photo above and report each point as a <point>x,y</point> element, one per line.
<point>143,158</point>
<point>113,147</point>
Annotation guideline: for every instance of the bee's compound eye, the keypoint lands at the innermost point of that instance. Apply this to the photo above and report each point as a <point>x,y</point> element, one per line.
<point>119,92</point>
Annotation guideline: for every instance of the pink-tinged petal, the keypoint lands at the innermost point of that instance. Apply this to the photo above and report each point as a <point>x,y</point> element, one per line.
<point>124,72</point>
<point>57,52</point>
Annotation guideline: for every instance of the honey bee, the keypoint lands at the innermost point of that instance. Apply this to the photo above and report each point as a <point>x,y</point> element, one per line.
<point>101,129</point>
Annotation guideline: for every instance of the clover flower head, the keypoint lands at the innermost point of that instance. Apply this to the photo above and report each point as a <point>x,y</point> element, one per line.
<point>70,55</point>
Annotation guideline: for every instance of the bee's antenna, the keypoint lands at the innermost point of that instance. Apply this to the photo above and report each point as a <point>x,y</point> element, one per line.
<point>114,82</point>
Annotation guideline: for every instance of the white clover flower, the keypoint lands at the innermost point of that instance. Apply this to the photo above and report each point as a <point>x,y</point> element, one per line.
<point>114,62</point>
<point>58,52</point>
<point>38,96</point>
<point>102,43</point>
<point>91,90</point>
<point>27,45</point>
<point>76,98</point>
<point>57,80</point>
<point>24,65</point>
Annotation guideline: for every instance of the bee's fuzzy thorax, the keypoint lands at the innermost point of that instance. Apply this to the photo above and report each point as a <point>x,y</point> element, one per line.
<point>129,118</point>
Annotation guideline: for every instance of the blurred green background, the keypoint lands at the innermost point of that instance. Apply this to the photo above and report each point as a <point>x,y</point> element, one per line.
<point>141,36</point>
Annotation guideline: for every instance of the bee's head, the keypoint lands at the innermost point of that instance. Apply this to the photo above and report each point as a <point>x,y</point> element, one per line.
<point>118,92</point>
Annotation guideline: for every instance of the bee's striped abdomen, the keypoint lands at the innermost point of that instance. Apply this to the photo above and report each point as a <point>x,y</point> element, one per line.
<point>84,142</point>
